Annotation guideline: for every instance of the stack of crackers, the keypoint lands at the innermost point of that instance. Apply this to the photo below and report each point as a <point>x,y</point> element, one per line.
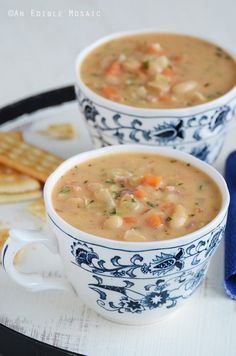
<point>23,170</point>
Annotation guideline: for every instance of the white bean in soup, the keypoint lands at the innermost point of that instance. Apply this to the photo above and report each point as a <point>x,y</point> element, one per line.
<point>136,197</point>
<point>159,70</point>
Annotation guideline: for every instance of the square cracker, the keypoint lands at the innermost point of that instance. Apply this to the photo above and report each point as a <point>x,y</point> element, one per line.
<point>19,197</point>
<point>12,181</point>
<point>16,187</point>
<point>65,131</point>
<point>15,134</point>
<point>27,158</point>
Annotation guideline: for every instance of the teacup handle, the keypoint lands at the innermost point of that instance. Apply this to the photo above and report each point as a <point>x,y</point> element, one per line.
<point>19,238</point>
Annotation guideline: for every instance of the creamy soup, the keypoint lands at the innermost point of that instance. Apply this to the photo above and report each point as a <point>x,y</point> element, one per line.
<point>136,197</point>
<point>157,70</point>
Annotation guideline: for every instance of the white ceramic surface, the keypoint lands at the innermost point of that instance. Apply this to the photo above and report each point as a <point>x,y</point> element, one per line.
<point>131,283</point>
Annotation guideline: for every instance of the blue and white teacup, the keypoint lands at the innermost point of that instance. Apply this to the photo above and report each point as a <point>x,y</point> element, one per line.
<point>127,282</point>
<point>199,130</point>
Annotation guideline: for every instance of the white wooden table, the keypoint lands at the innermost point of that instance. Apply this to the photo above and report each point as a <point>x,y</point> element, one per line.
<point>37,54</point>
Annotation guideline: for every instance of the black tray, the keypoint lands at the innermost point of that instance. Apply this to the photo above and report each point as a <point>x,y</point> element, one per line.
<point>13,343</point>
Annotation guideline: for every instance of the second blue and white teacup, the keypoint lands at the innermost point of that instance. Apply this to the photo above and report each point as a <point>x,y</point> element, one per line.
<point>199,130</point>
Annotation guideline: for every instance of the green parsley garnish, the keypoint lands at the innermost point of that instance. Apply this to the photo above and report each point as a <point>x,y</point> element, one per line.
<point>149,203</point>
<point>65,189</point>
<point>146,64</point>
<point>116,195</point>
<point>112,212</point>
<point>200,187</point>
<point>110,181</point>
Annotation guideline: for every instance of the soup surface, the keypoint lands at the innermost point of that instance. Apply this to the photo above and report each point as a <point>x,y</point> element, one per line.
<point>136,197</point>
<point>159,70</point>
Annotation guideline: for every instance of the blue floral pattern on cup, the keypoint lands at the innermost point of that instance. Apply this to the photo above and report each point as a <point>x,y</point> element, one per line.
<point>202,134</point>
<point>163,263</point>
<point>162,293</point>
<point>167,275</point>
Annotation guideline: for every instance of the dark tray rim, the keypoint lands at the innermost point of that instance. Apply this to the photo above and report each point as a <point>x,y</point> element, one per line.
<point>14,342</point>
<point>36,102</point>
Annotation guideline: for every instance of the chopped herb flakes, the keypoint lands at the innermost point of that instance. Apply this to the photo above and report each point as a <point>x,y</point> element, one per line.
<point>59,210</point>
<point>200,187</point>
<point>112,212</point>
<point>65,189</point>
<point>146,64</point>
<point>116,195</point>
<point>169,218</point>
<point>220,53</point>
<point>110,181</point>
<point>86,181</point>
<point>152,205</point>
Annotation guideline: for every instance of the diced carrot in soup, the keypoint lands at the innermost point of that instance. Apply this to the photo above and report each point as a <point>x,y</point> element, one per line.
<point>140,194</point>
<point>152,180</point>
<point>118,200</point>
<point>168,71</point>
<point>165,98</point>
<point>155,221</point>
<point>156,62</point>
<point>110,92</point>
<point>130,220</point>
<point>169,207</point>
<point>114,69</point>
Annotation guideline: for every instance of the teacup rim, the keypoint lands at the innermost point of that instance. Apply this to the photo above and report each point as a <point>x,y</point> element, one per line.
<point>125,245</point>
<point>138,111</point>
